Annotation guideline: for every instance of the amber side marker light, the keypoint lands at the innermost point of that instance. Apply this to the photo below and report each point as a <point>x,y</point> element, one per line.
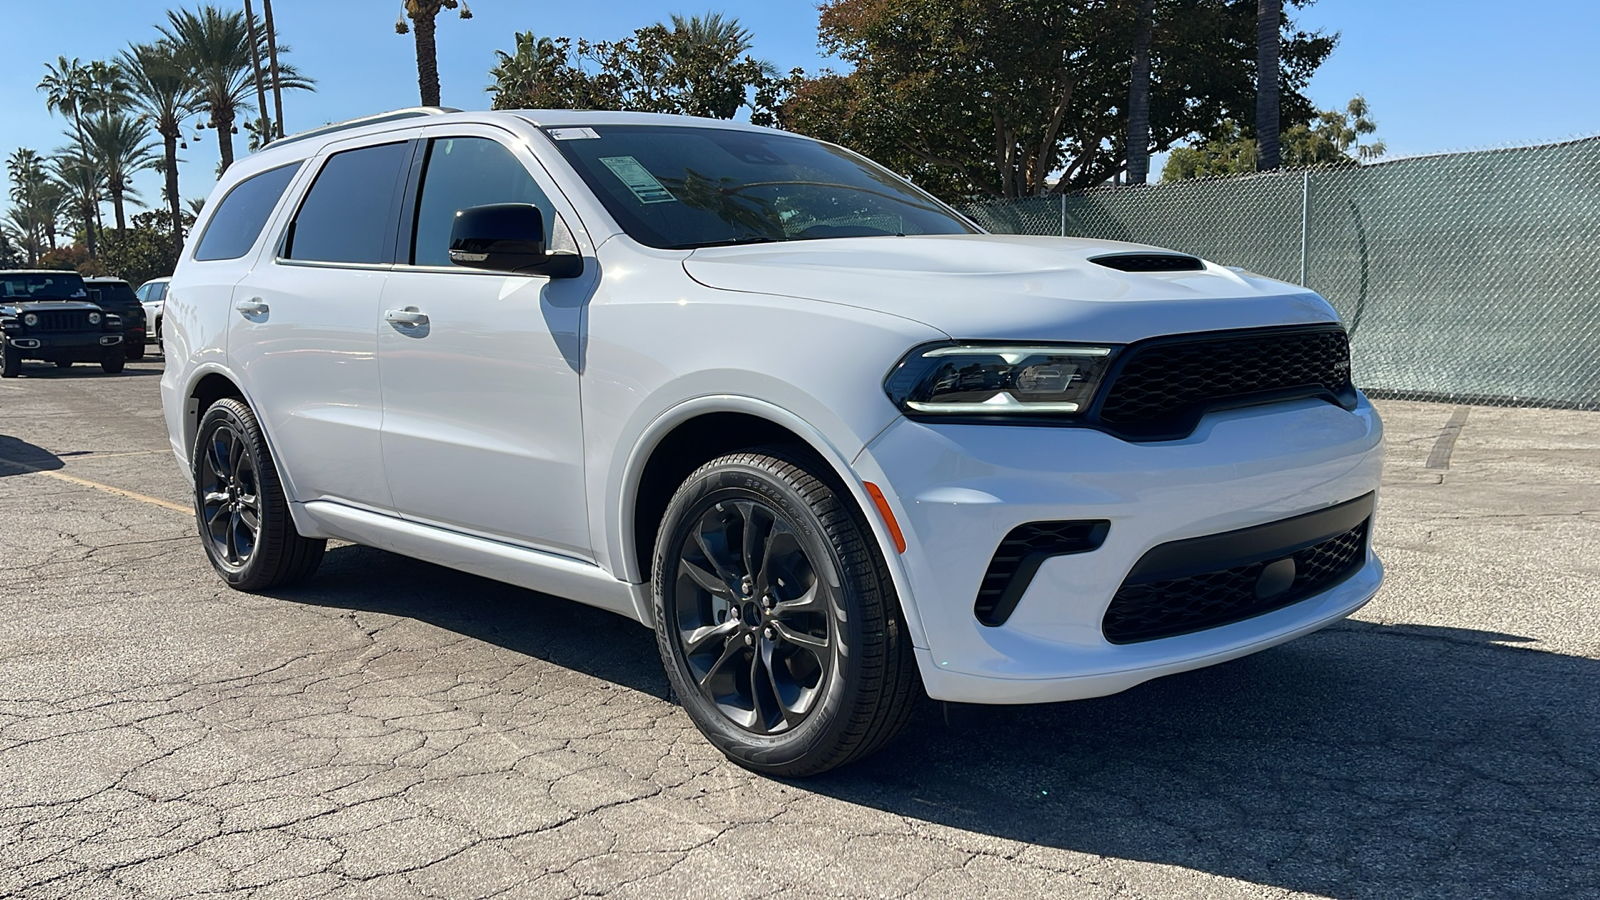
<point>888,516</point>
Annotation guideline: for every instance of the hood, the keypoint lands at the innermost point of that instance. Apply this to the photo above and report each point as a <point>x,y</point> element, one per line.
<point>1009,287</point>
<point>13,304</point>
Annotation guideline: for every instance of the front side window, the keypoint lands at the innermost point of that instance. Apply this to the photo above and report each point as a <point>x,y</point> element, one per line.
<point>682,187</point>
<point>238,221</point>
<point>346,214</point>
<point>462,173</point>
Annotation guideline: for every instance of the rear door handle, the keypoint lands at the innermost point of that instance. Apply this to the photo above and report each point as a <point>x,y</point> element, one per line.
<point>408,316</point>
<point>252,307</point>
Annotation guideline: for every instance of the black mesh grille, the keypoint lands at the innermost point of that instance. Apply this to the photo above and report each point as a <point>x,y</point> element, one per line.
<point>64,320</point>
<point>1019,557</point>
<point>1164,387</point>
<point>1145,612</point>
<point>1150,262</point>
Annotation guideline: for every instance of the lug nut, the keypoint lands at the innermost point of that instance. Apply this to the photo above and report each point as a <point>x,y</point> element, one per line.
<point>767,633</point>
<point>749,640</point>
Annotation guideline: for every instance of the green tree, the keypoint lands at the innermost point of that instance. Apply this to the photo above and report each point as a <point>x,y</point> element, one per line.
<point>1010,98</point>
<point>1332,138</point>
<point>81,181</point>
<point>144,251</point>
<point>121,146</point>
<point>65,85</point>
<point>424,16</point>
<point>215,48</point>
<point>163,90</point>
<point>33,212</point>
<point>697,67</point>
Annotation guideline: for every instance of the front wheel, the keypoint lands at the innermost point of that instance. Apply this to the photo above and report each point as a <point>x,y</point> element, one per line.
<point>240,507</point>
<point>10,362</point>
<point>776,619</point>
<point>135,349</point>
<point>63,363</point>
<point>112,361</point>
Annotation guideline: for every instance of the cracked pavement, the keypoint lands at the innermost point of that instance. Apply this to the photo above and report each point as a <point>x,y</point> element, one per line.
<point>397,730</point>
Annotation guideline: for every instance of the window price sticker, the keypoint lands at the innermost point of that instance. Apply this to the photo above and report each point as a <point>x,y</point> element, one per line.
<point>638,179</point>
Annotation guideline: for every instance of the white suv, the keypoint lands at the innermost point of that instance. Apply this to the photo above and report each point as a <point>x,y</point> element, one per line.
<point>830,440</point>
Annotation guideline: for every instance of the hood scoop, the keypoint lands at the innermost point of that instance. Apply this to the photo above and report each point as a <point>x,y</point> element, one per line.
<point>1149,262</point>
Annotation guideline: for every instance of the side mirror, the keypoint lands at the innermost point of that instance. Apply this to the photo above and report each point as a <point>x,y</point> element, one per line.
<point>508,237</point>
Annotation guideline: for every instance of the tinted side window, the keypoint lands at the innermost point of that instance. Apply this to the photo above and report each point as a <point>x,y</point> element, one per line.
<point>158,291</point>
<point>463,173</point>
<point>238,221</point>
<point>346,214</point>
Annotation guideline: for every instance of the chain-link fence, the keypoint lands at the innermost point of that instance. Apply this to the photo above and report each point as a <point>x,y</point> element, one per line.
<point>1468,277</point>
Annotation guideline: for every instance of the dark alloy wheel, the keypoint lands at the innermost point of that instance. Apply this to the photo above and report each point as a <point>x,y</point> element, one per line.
<point>776,619</point>
<point>753,617</point>
<point>240,507</point>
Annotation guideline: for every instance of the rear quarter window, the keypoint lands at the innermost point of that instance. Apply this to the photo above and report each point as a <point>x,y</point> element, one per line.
<point>242,214</point>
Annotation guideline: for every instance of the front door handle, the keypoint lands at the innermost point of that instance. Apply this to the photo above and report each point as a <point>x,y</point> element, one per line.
<point>252,307</point>
<point>408,316</point>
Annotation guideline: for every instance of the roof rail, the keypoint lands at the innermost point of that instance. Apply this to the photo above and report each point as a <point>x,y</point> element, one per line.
<point>377,119</point>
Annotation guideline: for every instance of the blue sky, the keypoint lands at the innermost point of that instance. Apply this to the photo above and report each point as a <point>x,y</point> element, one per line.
<point>1439,74</point>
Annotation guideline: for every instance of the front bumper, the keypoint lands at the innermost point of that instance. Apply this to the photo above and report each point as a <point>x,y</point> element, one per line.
<point>75,346</point>
<point>958,490</point>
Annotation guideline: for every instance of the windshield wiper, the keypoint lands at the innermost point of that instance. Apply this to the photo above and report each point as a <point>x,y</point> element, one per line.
<point>730,242</point>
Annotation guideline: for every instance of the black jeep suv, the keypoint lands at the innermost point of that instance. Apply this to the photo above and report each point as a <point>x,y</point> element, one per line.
<point>47,315</point>
<point>116,296</point>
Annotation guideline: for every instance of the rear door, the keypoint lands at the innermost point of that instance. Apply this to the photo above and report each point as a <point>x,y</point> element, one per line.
<point>303,334</point>
<point>481,426</point>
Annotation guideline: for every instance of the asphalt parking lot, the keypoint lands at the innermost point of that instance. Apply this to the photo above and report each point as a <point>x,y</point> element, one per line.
<point>396,730</point>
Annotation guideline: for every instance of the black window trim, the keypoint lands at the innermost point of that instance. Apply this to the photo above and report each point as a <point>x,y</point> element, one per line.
<point>196,239</point>
<point>411,197</point>
<point>392,220</point>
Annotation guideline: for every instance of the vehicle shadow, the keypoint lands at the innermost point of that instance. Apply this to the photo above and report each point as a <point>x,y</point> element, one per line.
<point>1361,761</point>
<point>133,368</point>
<point>18,457</point>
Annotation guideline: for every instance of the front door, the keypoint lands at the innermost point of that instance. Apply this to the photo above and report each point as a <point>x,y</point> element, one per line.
<point>481,425</point>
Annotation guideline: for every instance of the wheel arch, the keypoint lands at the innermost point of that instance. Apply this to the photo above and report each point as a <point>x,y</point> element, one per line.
<point>206,386</point>
<point>700,430</point>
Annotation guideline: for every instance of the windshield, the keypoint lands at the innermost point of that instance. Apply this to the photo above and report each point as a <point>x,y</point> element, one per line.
<point>25,287</point>
<point>684,187</point>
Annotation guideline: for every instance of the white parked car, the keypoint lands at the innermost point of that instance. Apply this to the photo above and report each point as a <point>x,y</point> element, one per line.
<point>830,440</point>
<point>152,296</point>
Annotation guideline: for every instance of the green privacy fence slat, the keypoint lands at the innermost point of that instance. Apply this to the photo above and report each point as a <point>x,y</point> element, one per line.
<point>1468,276</point>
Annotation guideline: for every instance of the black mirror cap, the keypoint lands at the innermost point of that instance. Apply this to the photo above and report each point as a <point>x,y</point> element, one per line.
<point>508,237</point>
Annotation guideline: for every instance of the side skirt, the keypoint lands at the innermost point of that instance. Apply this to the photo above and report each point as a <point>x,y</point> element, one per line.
<point>532,569</point>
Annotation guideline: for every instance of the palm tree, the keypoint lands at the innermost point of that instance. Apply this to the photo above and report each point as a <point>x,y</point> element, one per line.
<point>1269,21</point>
<point>1139,96</point>
<point>30,207</point>
<point>120,145</point>
<point>162,89</point>
<point>81,182</point>
<point>255,66</point>
<point>712,30</point>
<point>272,59</point>
<point>65,85</point>
<point>106,88</point>
<point>424,13</point>
<point>215,45</point>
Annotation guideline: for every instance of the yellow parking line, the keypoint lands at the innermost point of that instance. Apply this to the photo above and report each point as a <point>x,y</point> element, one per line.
<point>84,482</point>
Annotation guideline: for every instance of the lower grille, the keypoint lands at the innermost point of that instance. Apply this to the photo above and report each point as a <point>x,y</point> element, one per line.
<point>1021,554</point>
<point>1147,610</point>
<point>63,320</point>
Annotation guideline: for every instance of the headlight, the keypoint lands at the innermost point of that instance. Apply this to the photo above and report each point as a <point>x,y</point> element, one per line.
<point>998,379</point>
<point>94,318</point>
<point>30,320</point>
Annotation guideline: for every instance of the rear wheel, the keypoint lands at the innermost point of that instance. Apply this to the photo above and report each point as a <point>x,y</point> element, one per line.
<point>10,362</point>
<point>240,507</point>
<point>111,362</point>
<point>63,363</point>
<point>776,619</point>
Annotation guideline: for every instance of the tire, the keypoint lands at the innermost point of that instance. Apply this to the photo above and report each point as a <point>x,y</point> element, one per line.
<point>134,351</point>
<point>112,361</point>
<point>784,672</point>
<point>235,482</point>
<point>10,362</point>
<point>63,363</point>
